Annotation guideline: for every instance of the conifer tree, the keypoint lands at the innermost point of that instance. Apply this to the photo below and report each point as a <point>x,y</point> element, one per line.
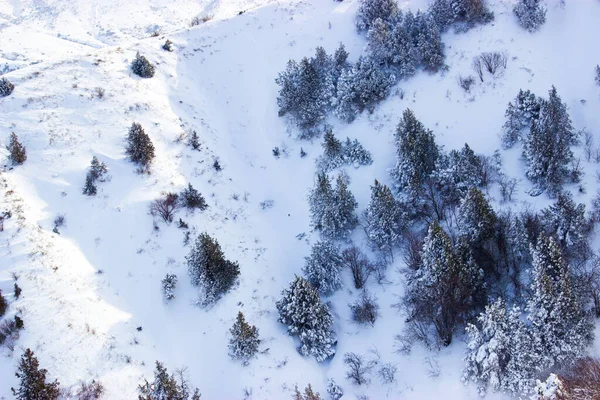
<point>384,218</point>
<point>567,221</point>
<point>526,108</point>
<point>18,154</point>
<point>417,154</point>
<point>332,210</point>
<point>547,147</point>
<point>560,327</point>
<point>404,53</point>
<point>166,387</point>
<point>169,283</point>
<point>379,42</point>
<point>429,44</point>
<point>531,14</point>
<point>142,67</point>
<point>192,199</point>
<point>322,268</point>
<point>244,340</point>
<point>32,380</point>
<point>139,147</point>
<point>307,317</point>
<point>208,268</point>
<point>320,200</point>
<point>6,87</point>
<point>96,172</point>
<point>370,10</point>
<point>3,304</point>
<point>476,218</point>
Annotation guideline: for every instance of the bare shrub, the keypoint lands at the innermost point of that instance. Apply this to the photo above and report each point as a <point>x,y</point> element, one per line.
<point>99,92</point>
<point>478,67</point>
<point>165,207</point>
<point>9,331</point>
<point>433,367</point>
<point>588,144</point>
<point>582,381</point>
<point>411,251</point>
<point>508,186</point>
<point>358,368</point>
<point>365,309</point>
<point>90,391</point>
<point>358,264</point>
<point>387,373</point>
<point>492,62</point>
<point>466,82</point>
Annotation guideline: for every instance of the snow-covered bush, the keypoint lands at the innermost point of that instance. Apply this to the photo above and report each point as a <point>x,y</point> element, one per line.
<point>597,78</point>
<point>168,284</point>
<point>3,304</point>
<point>531,14</point>
<point>365,310</point>
<point>579,382</point>
<point>142,67</point>
<point>89,391</point>
<point>6,87</point>
<point>358,368</point>
<point>334,391</point>
<point>307,317</point>
<point>336,154</point>
<point>244,340</point>
<point>18,154</point>
<point>168,46</point>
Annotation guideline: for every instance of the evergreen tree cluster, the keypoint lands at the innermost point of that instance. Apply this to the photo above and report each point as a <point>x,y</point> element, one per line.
<point>332,209</point>
<point>96,173</point>
<point>6,87</point>
<point>139,147</point>
<point>337,154</point>
<point>142,67</point>
<point>210,270</point>
<point>306,317</point>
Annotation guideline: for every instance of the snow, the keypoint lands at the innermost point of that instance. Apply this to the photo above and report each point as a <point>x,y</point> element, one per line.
<point>86,290</point>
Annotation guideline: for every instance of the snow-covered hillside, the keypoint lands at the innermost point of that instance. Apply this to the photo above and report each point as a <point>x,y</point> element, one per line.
<point>88,289</point>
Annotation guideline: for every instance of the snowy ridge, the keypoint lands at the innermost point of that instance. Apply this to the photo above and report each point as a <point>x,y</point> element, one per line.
<point>86,290</point>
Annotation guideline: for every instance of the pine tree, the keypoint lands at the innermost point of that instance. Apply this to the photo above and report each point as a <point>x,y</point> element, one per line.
<point>208,268</point>
<point>3,304</point>
<point>308,318</point>
<point>344,207</point>
<point>18,154</point>
<point>442,13</point>
<point>333,152</point>
<point>457,172</point>
<point>169,283</point>
<point>139,147</point>
<point>322,268</point>
<point>384,218</point>
<point>442,291</point>
<point>142,67</point>
<point>192,199</point>
<point>370,10</point>
<point>335,391</point>
<point>531,14</point>
<point>404,55</point>
<point>166,387</point>
<point>417,155</point>
<point>309,394</point>
<point>476,218</point>
<point>33,385</point>
<point>597,78</point>
<point>244,340</point>
<point>96,172</point>
<point>90,188</point>
<point>340,63</point>
<point>547,147</point>
<point>560,328</point>
<point>379,42</point>
<point>526,109</point>
<point>429,44</point>
<point>489,347</point>
<point>355,153</point>
<point>320,200</point>
<point>6,87</point>
<point>567,221</point>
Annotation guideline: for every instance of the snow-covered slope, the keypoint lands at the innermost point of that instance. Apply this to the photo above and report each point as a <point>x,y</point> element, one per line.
<point>86,290</point>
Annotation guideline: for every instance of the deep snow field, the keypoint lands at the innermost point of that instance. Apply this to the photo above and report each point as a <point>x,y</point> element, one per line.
<point>86,290</point>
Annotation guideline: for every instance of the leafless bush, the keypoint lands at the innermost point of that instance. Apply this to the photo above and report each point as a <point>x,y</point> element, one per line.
<point>582,381</point>
<point>165,207</point>
<point>60,220</point>
<point>492,62</point>
<point>478,67</point>
<point>412,246</point>
<point>9,331</point>
<point>359,265</point>
<point>358,368</point>
<point>433,367</point>
<point>508,186</point>
<point>197,20</point>
<point>387,373</point>
<point>99,92</point>
<point>89,391</point>
<point>365,309</point>
<point>267,204</point>
<point>576,170</point>
<point>588,144</point>
<point>466,83</point>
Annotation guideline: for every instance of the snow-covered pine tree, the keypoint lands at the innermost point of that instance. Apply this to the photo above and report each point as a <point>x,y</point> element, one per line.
<point>139,147</point>
<point>531,14</point>
<point>471,11</point>
<point>169,283</point>
<point>324,66</point>
<point>208,268</point>
<point>526,108</point>
<point>457,172</point>
<point>6,87</point>
<point>561,329</point>
<point>334,391</point>
<point>355,153</point>
<point>166,387</point>
<point>244,340</point>
<point>142,67</point>
<point>404,54</point>
<point>344,210</point>
<point>476,219</point>
<point>96,172</point>
<point>192,199</point>
<point>567,221</point>
<point>18,154</point>
<point>370,10</point>
<point>340,63</point>
<point>441,292</point>
<point>320,202</point>
<point>489,347</point>
<point>379,42</point>
<point>333,152</point>
<point>417,155</point>
<point>442,13</point>
<point>32,380</point>
<point>384,219</point>
<point>307,317</point>
<point>547,147</point>
<point>429,43</point>
<point>322,268</point>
